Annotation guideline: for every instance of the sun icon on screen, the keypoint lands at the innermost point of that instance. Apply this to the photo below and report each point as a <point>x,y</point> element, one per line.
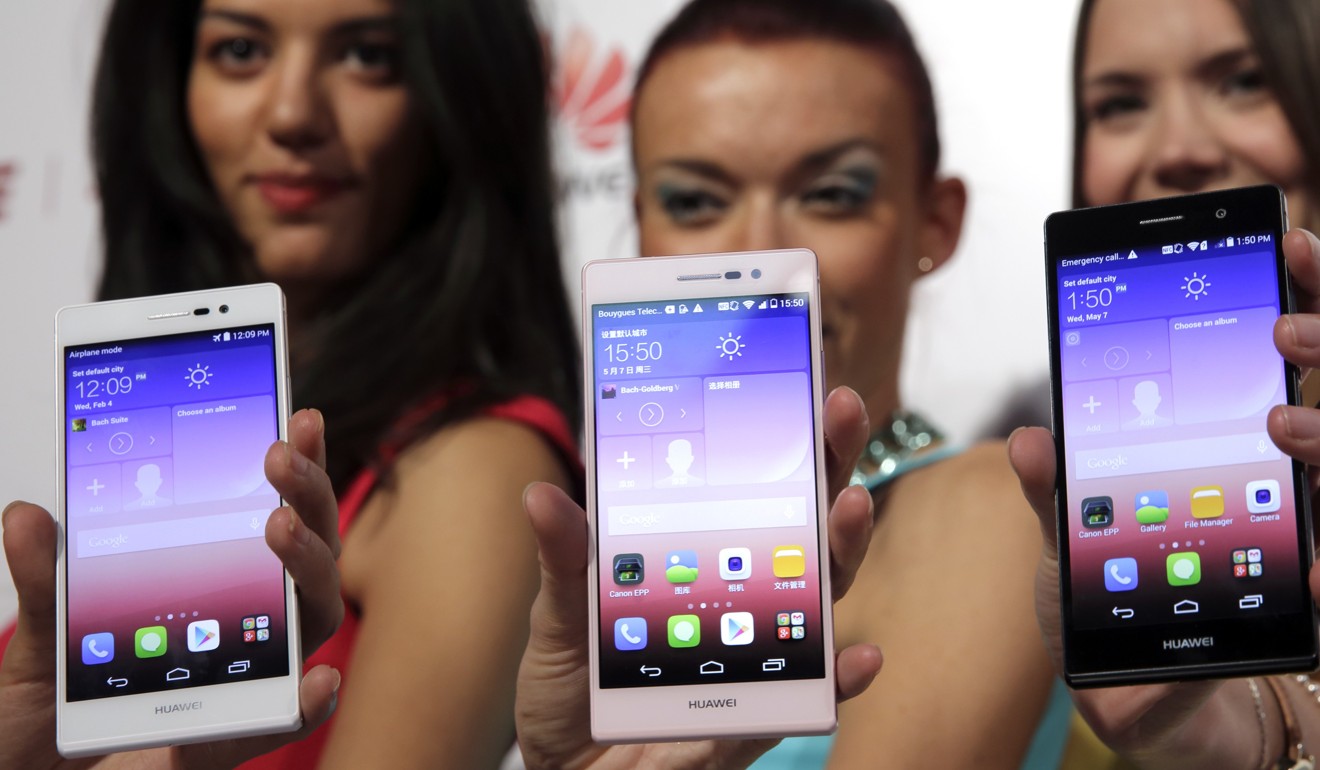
<point>1195,286</point>
<point>198,376</point>
<point>730,345</point>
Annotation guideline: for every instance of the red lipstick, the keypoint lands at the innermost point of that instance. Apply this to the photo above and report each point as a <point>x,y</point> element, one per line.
<point>290,194</point>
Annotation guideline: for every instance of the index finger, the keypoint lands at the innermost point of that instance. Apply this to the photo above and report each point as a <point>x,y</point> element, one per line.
<point>1301,252</point>
<point>846,430</point>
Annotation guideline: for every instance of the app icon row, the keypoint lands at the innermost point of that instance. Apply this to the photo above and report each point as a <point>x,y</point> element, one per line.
<point>1205,502</point>
<point>736,628</point>
<point>1180,569</point>
<point>153,641</point>
<point>786,561</point>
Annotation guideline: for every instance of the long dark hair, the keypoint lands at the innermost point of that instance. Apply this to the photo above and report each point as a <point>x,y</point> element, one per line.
<point>469,306</point>
<point>1285,34</point>
<point>870,24</point>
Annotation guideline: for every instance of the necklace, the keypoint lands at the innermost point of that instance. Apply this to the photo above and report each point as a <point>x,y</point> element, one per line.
<point>890,450</point>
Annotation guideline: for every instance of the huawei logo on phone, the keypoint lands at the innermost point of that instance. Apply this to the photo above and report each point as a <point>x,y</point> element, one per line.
<point>175,708</point>
<point>8,171</point>
<point>714,703</point>
<point>591,92</point>
<point>1189,643</point>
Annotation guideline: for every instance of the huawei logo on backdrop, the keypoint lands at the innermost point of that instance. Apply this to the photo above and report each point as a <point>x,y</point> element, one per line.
<point>7,173</point>
<point>591,91</point>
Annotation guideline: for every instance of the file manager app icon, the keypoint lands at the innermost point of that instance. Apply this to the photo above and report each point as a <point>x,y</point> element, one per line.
<point>1207,502</point>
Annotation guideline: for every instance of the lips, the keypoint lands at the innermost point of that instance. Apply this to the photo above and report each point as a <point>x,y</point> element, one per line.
<point>289,194</point>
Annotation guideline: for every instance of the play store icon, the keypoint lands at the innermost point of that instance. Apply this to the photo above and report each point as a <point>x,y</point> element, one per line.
<point>203,635</point>
<point>736,628</point>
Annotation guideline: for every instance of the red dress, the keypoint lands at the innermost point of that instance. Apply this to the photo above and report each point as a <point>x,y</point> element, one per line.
<point>534,412</point>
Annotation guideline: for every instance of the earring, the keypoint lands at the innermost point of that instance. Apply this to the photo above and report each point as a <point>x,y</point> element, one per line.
<point>925,264</point>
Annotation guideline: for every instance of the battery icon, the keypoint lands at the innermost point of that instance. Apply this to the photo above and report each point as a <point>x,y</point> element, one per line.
<point>226,336</point>
<point>1228,242</point>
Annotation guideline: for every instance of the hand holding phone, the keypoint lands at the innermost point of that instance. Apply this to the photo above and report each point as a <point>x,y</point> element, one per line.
<point>553,696</point>
<point>1183,722</point>
<point>27,673</point>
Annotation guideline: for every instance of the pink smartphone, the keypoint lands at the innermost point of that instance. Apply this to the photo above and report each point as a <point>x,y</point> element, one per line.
<point>706,494</point>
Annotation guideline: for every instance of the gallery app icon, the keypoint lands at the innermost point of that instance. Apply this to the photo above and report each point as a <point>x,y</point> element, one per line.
<point>1152,507</point>
<point>1207,502</point>
<point>1121,574</point>
<point>203,635</point>
<point>684,631</point>
<point>629,569</point>
<point>735,563</point>
<point>630,634</point>
<point>1097,512</point>
<point>789,561</point>
<point>150,642</point>
<point>681,566</point>
<point>98,648</point>
<point>736,628</point>
<point>1263,496</point>
<point>1184,569</point>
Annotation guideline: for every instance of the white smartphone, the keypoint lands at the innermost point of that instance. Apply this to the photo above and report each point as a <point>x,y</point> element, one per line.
<point>706,494</point>
<point>176,622</point>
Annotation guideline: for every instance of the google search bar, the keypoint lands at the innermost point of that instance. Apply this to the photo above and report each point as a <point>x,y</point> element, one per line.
<point>108,541</point>
<point>1176,455</point>
<point>707,516</point>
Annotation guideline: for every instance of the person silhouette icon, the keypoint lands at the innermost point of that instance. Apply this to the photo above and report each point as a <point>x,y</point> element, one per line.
<point>148,483</point>
<point>679,458</point>
<point>1147,399</point>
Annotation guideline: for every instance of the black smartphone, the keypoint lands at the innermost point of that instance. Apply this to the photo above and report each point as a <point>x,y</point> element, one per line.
<point>1184,533</point>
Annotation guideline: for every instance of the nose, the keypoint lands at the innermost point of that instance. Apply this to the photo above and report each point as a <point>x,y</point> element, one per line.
<point>298,114</point>
<point>762,226</point>
<point>1187,155</point>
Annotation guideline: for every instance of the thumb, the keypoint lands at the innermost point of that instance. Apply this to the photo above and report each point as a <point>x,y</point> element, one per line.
<point>30,541</point>
<point>559,614</point>
<point>1031,453</point>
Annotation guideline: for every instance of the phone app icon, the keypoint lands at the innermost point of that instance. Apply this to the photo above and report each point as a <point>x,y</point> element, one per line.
<point>735,563</point>
<point>1152,507</point>
<point>98,648</point>
<point>681,566</point>
<point>684,631</point>
<point>203,635</point>
<point>1184,569</point>
<point>789,561</point>
<point>629,569</point>
<point>1097,512</point>
<point>1121,574</point>
<point>1263,496</point>
<point>736,628</point>
<point>1207,502</point>
<point>630,634</point>
<point>150,642</point>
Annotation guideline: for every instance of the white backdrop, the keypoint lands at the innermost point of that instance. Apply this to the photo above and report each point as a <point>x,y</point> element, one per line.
<point>977,329</point>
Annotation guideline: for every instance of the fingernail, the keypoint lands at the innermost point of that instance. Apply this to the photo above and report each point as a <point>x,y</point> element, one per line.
<point>4,515</point>
<point>1305,330</point>
<point>320,420</point>
<point>297,530</point>
<point>1301,422</point>
<point>299,463</point>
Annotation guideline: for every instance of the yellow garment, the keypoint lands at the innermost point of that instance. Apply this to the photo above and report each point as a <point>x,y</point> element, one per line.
<point>1084,751</point>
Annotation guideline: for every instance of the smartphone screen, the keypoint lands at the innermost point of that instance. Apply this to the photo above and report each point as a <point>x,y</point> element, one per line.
<point>170,583</point>
<point>1184,544</point>
<point>706,490</point>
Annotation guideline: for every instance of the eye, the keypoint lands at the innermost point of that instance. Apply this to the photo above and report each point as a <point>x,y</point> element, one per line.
<point>690,206</point>
<point>1111,109</point>
<point>377,59</point>
<point>237,55</point>
<point>1245,82</point>
<point>840,194</point>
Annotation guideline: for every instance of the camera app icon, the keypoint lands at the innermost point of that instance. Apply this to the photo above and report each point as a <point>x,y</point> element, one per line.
<point>1263,496</point>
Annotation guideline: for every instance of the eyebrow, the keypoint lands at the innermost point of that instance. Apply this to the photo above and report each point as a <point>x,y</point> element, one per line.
<point>1211,66</point>
<point>364,24</point>
<point>811,163</point>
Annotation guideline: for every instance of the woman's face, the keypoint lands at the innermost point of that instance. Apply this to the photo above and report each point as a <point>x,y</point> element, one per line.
<point>798,144</point>
<point>307,131</point>
<point>1175,102</point>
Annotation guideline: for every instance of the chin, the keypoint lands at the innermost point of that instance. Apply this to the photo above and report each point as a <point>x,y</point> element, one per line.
<point>303,257</point>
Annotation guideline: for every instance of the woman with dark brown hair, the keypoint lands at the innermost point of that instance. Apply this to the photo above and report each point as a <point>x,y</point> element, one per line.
<point>1173,97</point>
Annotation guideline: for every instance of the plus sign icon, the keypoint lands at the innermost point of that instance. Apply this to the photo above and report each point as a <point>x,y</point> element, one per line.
<point>624,462</point>
<point>1091,407</point>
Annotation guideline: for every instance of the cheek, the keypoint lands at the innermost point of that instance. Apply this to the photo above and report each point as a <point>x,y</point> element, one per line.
<point>1267,144</point>
<point>1109,164</point>
<point>380,134</point>
<point>221,125</point>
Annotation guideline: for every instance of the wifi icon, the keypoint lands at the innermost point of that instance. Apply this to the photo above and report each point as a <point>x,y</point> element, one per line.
<point>1194,245</point>
<point>747,303</point>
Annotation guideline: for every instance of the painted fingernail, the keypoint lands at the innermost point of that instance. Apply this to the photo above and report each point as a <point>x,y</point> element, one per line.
<point>5,514</point>
<point>298,530</point>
